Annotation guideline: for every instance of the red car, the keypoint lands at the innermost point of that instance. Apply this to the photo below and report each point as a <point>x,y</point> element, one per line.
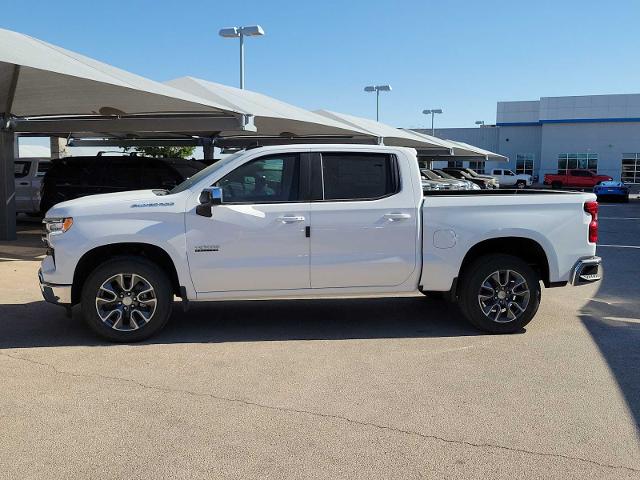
<point>575,178</point>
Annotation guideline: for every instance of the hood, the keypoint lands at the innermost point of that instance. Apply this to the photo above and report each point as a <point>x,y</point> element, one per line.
<point>108,202</point>
<point>611,183</point>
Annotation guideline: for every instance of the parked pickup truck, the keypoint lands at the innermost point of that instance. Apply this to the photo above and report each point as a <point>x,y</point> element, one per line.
<point>506,178</point>
<point>314,221</point>
<point>575,178</point>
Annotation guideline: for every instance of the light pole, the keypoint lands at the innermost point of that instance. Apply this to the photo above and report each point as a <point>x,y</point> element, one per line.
<point>480,123</point>
<point>432,112</point>
<point>377,89</point>
<point>241,32</point>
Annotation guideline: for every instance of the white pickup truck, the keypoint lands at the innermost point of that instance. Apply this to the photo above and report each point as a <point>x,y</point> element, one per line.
<point>314,221</point>
<point>507,178</point>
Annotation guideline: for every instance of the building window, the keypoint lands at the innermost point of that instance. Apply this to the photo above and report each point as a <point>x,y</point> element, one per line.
<point>572,161</point>
<point>477,167</point>
<point>524,163</point>
<point>455,164</point>
<point>630,168</point>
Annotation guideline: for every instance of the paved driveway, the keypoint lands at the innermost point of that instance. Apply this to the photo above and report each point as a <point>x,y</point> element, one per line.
<point>393,388</point>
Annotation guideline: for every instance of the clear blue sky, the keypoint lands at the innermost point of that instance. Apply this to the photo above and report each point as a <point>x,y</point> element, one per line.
<point>462,56</point>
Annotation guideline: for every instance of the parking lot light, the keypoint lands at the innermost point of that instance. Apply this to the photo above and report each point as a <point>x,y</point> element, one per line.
<point>241,32</point>
<point>432,112</point>
<point>377,89</point>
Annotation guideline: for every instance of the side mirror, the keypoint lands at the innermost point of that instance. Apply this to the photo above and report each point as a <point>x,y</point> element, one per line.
<point>209,197</point>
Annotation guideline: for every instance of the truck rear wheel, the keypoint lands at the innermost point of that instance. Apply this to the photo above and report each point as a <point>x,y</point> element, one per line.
<point>127,299</point>
<point>499,293</point>
<point>556,185</point>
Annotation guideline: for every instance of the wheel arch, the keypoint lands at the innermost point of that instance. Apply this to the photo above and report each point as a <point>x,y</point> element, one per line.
<point>524,248</point>
<point>98,255</point>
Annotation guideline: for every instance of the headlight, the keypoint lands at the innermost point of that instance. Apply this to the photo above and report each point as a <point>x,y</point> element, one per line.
<point>475,186</point>
<point>56,226</point>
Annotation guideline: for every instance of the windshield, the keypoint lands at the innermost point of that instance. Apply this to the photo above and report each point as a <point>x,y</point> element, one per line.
<point>186,185</point>
<point>444,174</point>
<point>430,175</point>
<point>470,172</point>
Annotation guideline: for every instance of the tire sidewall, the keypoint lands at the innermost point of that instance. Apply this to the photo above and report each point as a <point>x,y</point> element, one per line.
<point>478,272</point>
<point>154,275</point>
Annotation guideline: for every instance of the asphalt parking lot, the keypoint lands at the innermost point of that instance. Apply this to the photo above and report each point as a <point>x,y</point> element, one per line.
<point>378,388</point>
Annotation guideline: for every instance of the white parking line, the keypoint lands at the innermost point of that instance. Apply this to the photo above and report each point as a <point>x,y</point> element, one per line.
<point>623,319</point>
<point>620,246</point>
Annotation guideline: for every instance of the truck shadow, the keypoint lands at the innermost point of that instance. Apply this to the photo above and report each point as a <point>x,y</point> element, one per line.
<point>39,324</point>
<point>616,333</point>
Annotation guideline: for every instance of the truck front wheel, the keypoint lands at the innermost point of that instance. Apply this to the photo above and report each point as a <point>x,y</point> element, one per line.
<point>499,293</point>
<point>127,299</point>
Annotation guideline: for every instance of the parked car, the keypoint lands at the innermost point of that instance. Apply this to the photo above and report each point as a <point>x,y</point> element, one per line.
<point>442,183</point>
<point>75,177</point>
<point>506,178</point>
<point>450,183</point>
<point>28,173</point>
<point>612,190</point>
<point>469,185</point>
<point>296,221</point>
<point>579,178</point>
<point>463,174</point>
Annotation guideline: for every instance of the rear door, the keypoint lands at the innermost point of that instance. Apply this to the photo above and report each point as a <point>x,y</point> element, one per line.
<point>363,221</point>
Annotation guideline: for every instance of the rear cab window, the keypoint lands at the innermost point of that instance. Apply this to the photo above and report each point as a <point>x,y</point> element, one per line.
<point>357,176</point>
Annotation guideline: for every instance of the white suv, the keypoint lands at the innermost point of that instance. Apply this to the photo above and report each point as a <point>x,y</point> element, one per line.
<point>28,173</point>
<point>507,178</point>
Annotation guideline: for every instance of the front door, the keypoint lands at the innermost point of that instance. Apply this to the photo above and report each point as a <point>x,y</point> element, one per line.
<point>363,221</point>
<point>255,240</point>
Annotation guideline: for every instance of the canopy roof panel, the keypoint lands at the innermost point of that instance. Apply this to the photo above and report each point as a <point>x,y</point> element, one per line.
<point>40,79</point>
<point>390,135</point>
<point>272,116</point>
<point>461,149</point>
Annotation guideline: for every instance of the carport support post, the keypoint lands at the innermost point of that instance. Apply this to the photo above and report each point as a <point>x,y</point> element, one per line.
<point>8,152</point>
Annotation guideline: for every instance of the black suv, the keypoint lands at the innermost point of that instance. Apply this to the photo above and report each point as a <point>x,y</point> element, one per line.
<point>75,177</point>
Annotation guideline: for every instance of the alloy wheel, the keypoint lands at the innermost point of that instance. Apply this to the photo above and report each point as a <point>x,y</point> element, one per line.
<point>126,302</point>
<point>504,296</point>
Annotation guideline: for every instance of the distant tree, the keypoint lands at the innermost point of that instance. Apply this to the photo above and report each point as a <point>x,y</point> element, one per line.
<point>166,152</point>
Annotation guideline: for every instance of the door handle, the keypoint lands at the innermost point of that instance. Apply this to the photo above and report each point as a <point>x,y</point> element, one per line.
<point>397,216</point>
<point>290,219</point>
<point>24,183</point>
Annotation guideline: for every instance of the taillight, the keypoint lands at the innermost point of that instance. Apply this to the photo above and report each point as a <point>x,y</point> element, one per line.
<point>592,209</point>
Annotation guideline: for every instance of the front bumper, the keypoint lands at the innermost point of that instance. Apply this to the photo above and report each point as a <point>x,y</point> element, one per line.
<point>52,293</point>
<point>586,270</point>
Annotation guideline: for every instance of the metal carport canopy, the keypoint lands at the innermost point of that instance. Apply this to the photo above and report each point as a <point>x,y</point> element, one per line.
<point>390,135</point>
<point>45,89</point>
<point>272,117</point>
<point>463,151</point>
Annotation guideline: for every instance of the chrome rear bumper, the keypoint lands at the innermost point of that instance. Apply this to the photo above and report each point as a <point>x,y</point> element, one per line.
<point>52,293</point>
<point>586,270</point>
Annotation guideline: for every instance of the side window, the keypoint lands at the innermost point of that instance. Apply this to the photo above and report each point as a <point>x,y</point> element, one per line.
<point>509,173</point>
<point>273,178</point>
<point>21,169</point>
<point>497,172</point>
<point>358,176</point>
<point>43,168</point>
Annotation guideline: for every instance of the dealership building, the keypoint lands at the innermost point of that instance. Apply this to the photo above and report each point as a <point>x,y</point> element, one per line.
<point>553,134</point>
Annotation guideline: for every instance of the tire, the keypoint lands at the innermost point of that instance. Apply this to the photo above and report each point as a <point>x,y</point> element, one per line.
<point>479,274</point>
<point>625,199</point>
<point>147,313</point>
<point>521,184</point>
<point>556,185</point>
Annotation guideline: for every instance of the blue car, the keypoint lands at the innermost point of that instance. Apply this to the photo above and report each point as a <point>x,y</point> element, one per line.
<point>612,190</point>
